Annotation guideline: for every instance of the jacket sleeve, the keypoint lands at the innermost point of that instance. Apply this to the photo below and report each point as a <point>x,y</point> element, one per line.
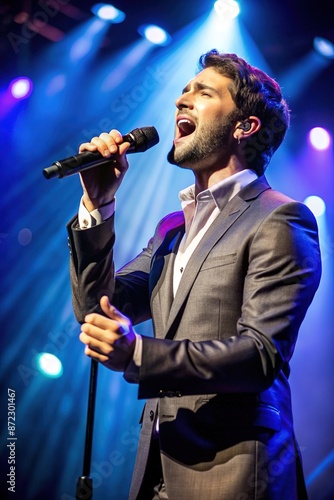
<point>283,273</point>
<point>92,273</point>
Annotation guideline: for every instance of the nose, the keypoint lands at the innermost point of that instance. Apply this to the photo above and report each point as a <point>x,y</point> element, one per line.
<point>184,101</point>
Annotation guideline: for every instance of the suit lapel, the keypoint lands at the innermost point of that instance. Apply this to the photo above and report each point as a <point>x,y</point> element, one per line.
<point>166,289</point>
<point>230,213</point>
<point>161,277</point>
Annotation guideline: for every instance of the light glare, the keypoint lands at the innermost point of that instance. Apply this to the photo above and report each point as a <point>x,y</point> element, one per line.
<point>154,34</point>
<point>21,88</point>
<point>316,205</point>
<point>324,47</point>
<point>108,12</point>
<point>319,138</point>
<point>227,9</point>
<point>49,365</point>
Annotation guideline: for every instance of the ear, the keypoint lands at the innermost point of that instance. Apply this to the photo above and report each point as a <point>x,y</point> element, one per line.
<point>246,128</point>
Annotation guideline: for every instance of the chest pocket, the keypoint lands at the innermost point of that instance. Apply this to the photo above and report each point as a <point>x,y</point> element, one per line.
<point>220,260</point>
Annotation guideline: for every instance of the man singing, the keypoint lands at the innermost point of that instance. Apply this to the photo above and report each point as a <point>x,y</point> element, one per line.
<point>226,281</point>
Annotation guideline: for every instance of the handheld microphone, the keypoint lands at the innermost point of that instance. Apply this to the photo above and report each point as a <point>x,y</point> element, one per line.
<point>140,140</point>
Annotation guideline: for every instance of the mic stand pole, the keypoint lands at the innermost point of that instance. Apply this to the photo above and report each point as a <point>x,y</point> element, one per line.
<point>84,490</point>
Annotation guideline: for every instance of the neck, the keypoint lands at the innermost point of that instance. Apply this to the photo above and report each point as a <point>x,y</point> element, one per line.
<point>206,178</point>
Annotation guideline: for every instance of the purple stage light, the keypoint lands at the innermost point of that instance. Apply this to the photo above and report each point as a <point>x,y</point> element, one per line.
<point>21,87</point>
<point>319,138</point>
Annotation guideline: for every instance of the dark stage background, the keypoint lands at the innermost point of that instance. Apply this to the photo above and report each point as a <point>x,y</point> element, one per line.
<point>90,76</point>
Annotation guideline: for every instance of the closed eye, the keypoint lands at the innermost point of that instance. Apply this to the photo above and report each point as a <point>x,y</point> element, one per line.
<point>202,89</point>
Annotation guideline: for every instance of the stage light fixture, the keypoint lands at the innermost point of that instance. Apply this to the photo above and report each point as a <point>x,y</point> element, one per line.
<point>108,12</point>
<point>21,87</point>
<point>324,47</point>
<point>316,205</point>
<point>49,365</point>
<point>154,34</point>
<point>319,138</point>
<point>227,9</point>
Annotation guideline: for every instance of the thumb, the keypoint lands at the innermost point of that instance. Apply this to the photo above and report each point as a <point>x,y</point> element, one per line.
<point>113,313</point>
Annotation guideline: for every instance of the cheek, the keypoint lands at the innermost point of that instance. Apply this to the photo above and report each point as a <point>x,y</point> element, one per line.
<point>205,108</point>
<point>209,112</point>
<point>210,121</point>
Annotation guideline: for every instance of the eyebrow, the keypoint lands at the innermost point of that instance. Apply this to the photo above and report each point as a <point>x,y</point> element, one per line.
<point>200,86</point>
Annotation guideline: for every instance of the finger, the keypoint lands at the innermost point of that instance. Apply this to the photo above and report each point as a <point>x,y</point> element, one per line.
<point>95,355</point>
<point>106,149</point>
<point>99,321</point>
<point>107,146</point>
<point>110,141</point>
<point>96,345</point>
<point>118,138</point>
<point>102,329</point>
<point>87,146</point>
<point>91,331</point>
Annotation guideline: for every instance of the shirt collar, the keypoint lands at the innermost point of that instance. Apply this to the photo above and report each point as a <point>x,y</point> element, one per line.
<point>221,192</point>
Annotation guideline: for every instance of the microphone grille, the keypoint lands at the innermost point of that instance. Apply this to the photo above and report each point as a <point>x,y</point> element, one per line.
<point>144,138</point>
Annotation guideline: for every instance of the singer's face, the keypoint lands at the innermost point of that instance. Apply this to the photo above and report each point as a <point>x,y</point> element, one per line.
<point>205,121</point>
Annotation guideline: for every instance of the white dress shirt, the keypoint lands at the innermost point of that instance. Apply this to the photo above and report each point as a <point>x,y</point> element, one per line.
<point>199,214</point>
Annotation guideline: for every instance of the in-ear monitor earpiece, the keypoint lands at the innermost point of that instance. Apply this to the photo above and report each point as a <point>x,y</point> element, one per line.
<point>245,126</point>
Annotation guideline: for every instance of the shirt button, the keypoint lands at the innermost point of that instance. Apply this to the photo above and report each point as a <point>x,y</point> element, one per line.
<point>151,415</point>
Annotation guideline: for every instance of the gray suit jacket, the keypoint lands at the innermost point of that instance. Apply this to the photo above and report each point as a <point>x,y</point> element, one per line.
<point>219,364</point>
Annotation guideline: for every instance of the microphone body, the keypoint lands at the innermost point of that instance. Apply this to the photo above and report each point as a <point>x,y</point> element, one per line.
<point>140,140</point>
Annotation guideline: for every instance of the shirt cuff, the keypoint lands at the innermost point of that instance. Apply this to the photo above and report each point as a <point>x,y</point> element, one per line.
<point>88,219</point>
<point>131,373</point>
<point>137,354</point>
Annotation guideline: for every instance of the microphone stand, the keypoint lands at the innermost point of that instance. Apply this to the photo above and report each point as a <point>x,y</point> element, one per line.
<point>84,489</point>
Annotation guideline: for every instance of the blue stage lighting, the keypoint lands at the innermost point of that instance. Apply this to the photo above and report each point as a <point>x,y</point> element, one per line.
<point>324,47</point>
<point>319,138</point>
<point>227,9</point>
<point>21,87</point>
<point>49,365</point>
<point>316,205</point>
<point>108,12</point>
<point>154,34</point>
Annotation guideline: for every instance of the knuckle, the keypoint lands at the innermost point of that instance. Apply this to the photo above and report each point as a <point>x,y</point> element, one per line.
<point>115,134</point>
<point>105,137</point>
<point>97,141</point>
<point>84,145</point>
<point>92,317</point>
<point>109,336</point>
<point>108,351</point>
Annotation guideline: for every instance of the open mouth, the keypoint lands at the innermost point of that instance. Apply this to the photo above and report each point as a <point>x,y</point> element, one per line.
<point>185,127</point>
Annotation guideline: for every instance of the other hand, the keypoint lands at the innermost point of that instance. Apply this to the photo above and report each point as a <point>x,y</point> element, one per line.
<point>109,340</point>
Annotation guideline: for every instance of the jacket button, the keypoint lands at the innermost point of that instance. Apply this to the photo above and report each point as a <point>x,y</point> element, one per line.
<point>151,415</point>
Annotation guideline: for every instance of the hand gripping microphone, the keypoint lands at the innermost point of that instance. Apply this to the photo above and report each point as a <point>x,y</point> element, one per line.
<point>140,140</point>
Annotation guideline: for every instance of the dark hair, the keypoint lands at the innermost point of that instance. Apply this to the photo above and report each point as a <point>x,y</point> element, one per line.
<point>254,93</point>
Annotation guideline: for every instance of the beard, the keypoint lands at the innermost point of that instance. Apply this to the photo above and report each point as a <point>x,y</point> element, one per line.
<point>207,145</point>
